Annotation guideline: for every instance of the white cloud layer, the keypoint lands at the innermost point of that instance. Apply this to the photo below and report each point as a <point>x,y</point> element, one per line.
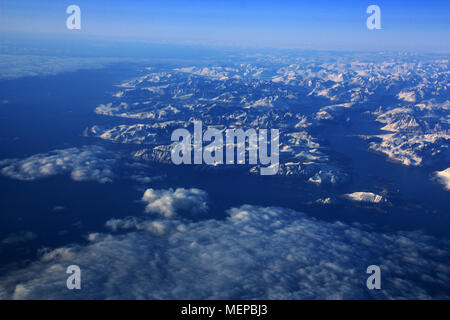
<point>16,66</point>
<point>168,202</point>
<point>88,163</point>
<point>256,253</point>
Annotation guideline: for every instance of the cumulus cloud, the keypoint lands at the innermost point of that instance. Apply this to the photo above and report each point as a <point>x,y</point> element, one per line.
<point>88,163</point>
<point>256,253</point>
<point>443,177</point>
<point>168,202</point>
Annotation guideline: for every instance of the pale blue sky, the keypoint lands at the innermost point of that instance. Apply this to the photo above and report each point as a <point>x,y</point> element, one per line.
<point>320,24</point>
